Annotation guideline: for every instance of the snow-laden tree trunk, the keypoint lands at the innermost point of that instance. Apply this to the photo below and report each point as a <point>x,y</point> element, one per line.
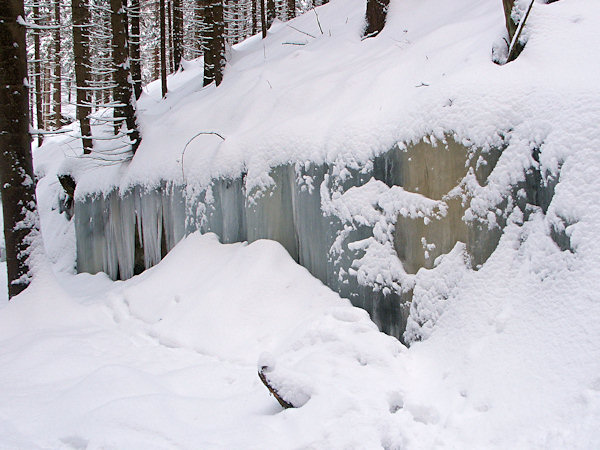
<point>214,55</point>
<point>57,75</point>
<point>81,24</point>
<point>37,69</point>
<point>135,57</point>
<point>123,94</point>
<point>16,169</point>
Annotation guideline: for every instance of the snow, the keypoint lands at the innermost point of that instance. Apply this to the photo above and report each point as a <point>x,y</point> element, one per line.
<point>506,356</point>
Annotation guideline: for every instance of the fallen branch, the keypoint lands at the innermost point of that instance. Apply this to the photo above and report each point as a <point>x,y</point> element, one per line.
<point>284,404</point>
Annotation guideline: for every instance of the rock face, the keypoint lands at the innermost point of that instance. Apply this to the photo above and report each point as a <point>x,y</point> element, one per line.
<point>125,232</point>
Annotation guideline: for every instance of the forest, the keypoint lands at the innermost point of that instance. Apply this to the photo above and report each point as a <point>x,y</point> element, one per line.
<point>299,224</point>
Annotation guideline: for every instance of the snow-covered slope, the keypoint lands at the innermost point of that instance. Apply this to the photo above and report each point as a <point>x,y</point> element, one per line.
<point>168,359</point>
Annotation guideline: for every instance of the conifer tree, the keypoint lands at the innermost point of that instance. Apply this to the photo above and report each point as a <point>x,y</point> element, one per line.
<point>17,186</point>
<point>81,24</point>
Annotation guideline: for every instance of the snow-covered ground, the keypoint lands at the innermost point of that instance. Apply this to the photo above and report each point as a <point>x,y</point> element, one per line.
<point>168,359</point>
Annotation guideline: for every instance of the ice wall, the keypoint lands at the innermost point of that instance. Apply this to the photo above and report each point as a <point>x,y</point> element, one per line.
<point>364,230</point>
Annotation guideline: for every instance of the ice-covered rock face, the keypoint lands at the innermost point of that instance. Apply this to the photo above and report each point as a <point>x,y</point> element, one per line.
<point>371,232</point>
<point>437,171</point>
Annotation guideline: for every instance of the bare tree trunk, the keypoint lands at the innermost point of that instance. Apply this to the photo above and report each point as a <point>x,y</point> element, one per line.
<point>134,47</point>
<point>37,69</point>
<point>376,16</point>
<point>81,21</point>
<point>214,56</point>
<point>177,33</point>
<point>263,19</point>
<point>291,9</point>
<point>163,50</point>
<point>123,93</point>
<point>16,170</point>
<point>57,100</point>
<point>170,33</point>
<point>254,17</point>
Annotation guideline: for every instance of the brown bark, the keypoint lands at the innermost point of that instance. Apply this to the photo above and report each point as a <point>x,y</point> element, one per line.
<point>284,403</point>
<point>16,170</point>
<point>170,33</point>
<point>123,93</point>
<point>163,49</point>
<point>376,15</point>
<point>57,93</point>
<point>263,19</point>
<point>511,28</point>
<point>214,56</point>
<point>37,69</point>
<point>134,47</point>
<point>81,21</point>
<point>177,34</point>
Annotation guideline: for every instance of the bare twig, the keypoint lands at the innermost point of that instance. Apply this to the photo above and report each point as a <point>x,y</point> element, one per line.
<point>318,21</point>
<point>190,141</point>
<point>300,31</point>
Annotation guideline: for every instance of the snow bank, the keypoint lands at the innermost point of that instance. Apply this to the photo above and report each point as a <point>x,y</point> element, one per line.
<point>510,355</point>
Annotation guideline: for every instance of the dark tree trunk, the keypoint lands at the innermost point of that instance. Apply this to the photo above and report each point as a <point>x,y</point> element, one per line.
<point>57,100</point>
<point>37,69</point>
<point>254,17</point>
<point>263,19</point>
<point>271,13</point>
<point>16,170</point>
<point>214,56</point>
<point>291,9</point>
<point>134,47</point>
<point>170,32</point>
<point>81,21</point>
<point>163,47</point>
<point>376,16</point>
<point>123,94</point>
<point>177,33</point>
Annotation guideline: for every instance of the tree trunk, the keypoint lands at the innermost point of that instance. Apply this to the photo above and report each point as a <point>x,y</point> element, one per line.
<point>17,184</point>
<point>170,33</point>
<point>271,13</point>
<point>214,56</point>
<point>123,93</point>
<point>57,100</point>
<point>376,16</point>
<point>254,17</point>
<point>134,47</point>
<point>81,21</point>
<point>511,28</point>
<point>37,69</point>
<point>163,47</point>
<point>291,9</point>
<point>263,19</point>
<point>177,33</point>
